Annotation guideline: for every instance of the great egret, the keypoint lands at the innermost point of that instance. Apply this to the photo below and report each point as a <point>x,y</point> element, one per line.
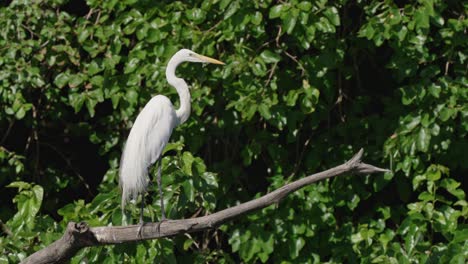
<point>151,131</point>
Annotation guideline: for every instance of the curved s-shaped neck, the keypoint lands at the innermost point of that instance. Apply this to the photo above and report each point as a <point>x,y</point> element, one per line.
<point>181,86</point>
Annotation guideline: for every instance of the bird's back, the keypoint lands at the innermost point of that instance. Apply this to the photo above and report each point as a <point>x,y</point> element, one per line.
<point>146,141</point>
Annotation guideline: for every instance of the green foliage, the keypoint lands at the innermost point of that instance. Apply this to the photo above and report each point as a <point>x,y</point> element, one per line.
<point>26,231</point>
<point>306,84</point>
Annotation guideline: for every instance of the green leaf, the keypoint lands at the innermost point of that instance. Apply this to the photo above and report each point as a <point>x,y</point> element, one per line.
<point>264,110</point>
<point>115,98</point>
<point>187,160</point>
<point>292,97</point>
<point>131,65</point>
<point>452,187</point>
<point>37,201</point>
<point>402,33</point>
<point>367,31</point>
<point>386,237</point>
<point>83,34</point>
<point>28,201</point>
<point>276,11</point>
<point>435,90</point>
<point>446,113</point>
<point>426,197</point>
<point>295,247</point>
<point>232,9</point>
<point>197,15</point>
<point>20,113</point>
<point>290,22</point>
<point>97,81</point>
<point>325,26</point>
<point>270,57</point>
<point>21,185</point>
<point>173,146</point>
<point>257,18</point>
<point>132,96</point>
<point>424,138</point>
<point>421,18</point>
<point>412,238</point>
<point>413,123</point>
<point>96,94</point>
<point>353,202</point>
<point>76,101</point>
<point>417,180</point>
<point>308,105</point>
<point>61,79</point>
<point>460,236</point>
<point>187,244</point>
<point>189,189</point>
<point>234,240</point>
<point>76,80</point>
<point>433,174</point>
<point>333,15</point>
<point>305,6</point>
<point>438,20</point>
<point>93,68</point>
<point>153,35</point>
<point>90,105</point>
<point>210,179</point>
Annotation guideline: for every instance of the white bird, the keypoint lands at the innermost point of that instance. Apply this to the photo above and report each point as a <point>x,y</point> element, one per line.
<point>151,132</point>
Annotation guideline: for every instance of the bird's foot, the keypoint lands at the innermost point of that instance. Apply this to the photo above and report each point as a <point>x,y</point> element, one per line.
<point>140,228</point>
<point>163,219</point>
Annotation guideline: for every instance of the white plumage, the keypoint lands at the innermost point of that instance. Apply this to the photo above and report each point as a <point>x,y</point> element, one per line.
<point>152,130</point>
<point>148,137</point>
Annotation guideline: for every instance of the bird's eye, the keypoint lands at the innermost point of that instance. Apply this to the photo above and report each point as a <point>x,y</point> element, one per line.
<point>190,54</point>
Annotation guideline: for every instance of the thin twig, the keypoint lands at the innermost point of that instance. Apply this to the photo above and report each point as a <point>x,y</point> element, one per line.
<point>214,26</point>
<point>303,71</point>
<point>30,31</point>
<point>44,44</point>
<point>299,160</point>
<point>447,65</point>
<point>5,229</point>
<point>278,35</point>
<point>272,72</point>
<point>98,17</point>
<point>36,141</point>
<point>90,12</point>
<point>10,125</point>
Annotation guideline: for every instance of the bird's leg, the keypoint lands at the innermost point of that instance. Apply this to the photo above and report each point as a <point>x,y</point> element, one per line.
<point>142,206</point>
<point>141,224</point>
<point>124,218</point>
<point>158,180</point>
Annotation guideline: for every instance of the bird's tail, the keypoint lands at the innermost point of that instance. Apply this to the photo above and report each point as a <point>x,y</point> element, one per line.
<point>132,175</point>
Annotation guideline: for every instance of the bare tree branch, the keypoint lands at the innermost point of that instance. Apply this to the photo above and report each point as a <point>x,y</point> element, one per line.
<point>80,235</point>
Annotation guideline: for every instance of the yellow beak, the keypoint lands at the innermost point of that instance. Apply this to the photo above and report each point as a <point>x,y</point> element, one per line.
<point>209,60</point>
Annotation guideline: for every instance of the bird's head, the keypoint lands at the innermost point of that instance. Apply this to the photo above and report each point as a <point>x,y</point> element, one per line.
<point>190,56</point>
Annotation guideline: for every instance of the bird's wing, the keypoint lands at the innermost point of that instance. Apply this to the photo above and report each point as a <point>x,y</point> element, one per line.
<point>162,125</point>
<point>146,141</point>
